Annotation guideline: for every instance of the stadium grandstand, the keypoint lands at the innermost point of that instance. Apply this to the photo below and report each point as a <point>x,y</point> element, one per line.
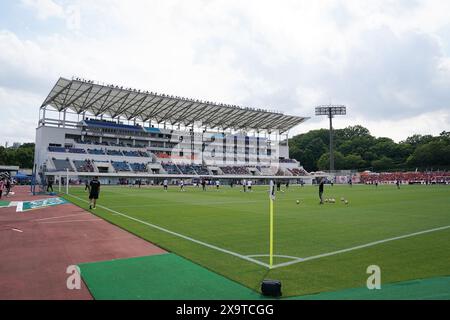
<point>87,128</point>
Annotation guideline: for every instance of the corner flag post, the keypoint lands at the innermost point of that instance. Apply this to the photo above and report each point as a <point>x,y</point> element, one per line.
<point>271,199</point>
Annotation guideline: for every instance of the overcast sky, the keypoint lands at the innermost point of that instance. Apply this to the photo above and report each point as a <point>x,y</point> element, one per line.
<point>387,61</point>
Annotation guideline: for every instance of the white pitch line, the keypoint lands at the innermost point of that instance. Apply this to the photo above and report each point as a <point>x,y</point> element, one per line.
<point>358,247</point>
<point>181,235</point>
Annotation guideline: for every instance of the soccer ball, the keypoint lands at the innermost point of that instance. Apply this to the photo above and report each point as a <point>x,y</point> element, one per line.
<point>342,199</point>
<point>326,200</point>
<point>346,202</point>
<point>298,201</point>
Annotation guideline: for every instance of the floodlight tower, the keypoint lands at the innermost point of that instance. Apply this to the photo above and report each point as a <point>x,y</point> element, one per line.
<point>331,111</point>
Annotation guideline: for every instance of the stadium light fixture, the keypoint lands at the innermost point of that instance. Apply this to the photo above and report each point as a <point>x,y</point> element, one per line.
<point>331,111</point>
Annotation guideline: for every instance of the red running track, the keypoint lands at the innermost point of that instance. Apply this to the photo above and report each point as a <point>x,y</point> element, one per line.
<point>34,257</point>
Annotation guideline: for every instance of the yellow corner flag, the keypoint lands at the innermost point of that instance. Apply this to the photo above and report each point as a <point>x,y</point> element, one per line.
<point>271,199</point>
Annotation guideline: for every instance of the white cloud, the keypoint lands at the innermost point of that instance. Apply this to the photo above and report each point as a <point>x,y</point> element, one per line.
<point>44,9</point>
<point>19,115</point>
<point>384,59</point>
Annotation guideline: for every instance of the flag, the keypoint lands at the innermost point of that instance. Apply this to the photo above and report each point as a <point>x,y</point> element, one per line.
<point>272,190</point>
<point>272,198</point>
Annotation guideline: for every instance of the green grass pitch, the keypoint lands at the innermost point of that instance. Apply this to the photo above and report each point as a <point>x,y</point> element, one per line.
<point>239,223</point>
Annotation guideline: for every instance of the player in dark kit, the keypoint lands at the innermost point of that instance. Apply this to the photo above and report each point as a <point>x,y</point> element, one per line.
<point>94,192</point>
<point>321,191</point>
<point>49,185</point>
<point>204,185</point>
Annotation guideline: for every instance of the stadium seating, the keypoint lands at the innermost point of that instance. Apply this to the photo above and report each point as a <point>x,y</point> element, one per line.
<point>62,164</point>
<point>120,166</point>
<point>201,170</point>
<point>131,153</point>
<point>170,168</point>
<point>112,125</point>
<point>114,153</point>
<point>143,154</point>
<point>76,150</point>
<point>186,169</point>
<point>96,151</point>
<point>56,149</point>
<point>234,170</point>
<point>83,166</point>
<point>138,167</point>
<point>298,171</point>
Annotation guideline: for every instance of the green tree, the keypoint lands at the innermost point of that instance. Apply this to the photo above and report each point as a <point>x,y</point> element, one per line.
<point>324,161</point>
<point>353,161</point>
<point>361,150</point>
<point>22,156</point>
<point>383,164</point>
<point>434,153</point>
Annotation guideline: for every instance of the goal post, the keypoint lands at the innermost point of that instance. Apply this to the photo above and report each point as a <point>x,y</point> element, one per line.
<point>67,181</point>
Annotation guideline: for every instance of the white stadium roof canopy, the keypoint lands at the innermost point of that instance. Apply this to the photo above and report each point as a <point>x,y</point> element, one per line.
<point>81,95</point>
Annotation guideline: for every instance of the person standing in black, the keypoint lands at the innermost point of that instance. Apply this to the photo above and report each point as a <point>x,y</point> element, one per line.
<point>86,185</point>
<point>398,184</point>
<point>94,192</point>
<point>8,186</point>
<point>321,191</point>
<point>204,185</point>
<point>49,184</point>
<point>278,185</point>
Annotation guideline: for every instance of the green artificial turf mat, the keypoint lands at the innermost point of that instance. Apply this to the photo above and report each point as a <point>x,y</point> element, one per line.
<point>164,276</point>
<point>424,289</point>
